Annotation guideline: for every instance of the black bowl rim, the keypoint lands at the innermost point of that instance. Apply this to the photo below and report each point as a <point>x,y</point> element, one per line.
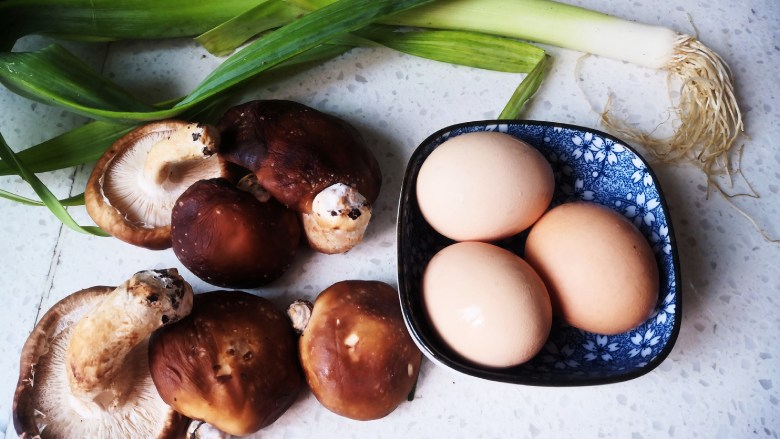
<point>456,364</point>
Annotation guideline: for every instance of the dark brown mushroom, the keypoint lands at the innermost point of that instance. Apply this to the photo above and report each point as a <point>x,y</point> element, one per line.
<point>356,353</point>
<point>84,368</point>
<point>230,237</point>
<point>312,162</point>
<point>231,363</point>
<point>133,186</point>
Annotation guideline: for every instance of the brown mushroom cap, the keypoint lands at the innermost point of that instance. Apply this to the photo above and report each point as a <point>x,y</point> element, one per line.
<point>133,186</point>
<point>42,405</point>
<point>231,362</point>
<point>297,151</point>
<point>356,353</point>
<point>229,238</point>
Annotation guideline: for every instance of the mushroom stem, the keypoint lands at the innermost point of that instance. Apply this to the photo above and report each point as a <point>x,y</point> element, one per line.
<point>169,158</point>
<point>299,313</point>
<point>204,430</point>
<point>338,220</point>
<point>105,336</point>
<point>249,183</point>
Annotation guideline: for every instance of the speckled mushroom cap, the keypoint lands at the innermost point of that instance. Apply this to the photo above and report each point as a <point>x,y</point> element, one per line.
<point>297,151</point>
<point>42,406</point>
<point>229,238</point>
<point>135,183</point>
<point>356,353</point>
<point>232,362</point>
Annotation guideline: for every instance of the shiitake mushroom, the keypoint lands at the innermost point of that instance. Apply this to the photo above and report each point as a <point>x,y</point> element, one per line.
<point>357,356</point>
<point>231,363</point>
<point>84,368</point>
<point>135,183</point>
<point>312,162</point>
<point>230,237</point>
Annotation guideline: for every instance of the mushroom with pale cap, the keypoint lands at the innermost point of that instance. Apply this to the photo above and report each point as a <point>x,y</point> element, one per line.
<point>84,368</point>
<point>134,185</point>
<point>314,163</point>
<point>356,353</point>
<point>231,363</point>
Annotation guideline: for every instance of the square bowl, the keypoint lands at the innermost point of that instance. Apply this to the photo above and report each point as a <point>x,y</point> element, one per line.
<point>590,166</point>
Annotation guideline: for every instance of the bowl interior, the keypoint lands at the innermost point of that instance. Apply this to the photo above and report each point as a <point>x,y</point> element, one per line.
<point>588,165</point>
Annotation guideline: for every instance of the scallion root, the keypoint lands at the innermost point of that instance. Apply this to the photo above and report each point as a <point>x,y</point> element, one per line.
<point>709,120</point>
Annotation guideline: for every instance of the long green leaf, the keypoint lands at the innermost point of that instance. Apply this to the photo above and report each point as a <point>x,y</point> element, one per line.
<point>226,37</point>
<point>87,143</point>
<point>527,88</point>
<point>297,37</point>
<point>273,49</point>
<point>6,153</point>
<point>76,200</point>
<point>54,76</point>
<point>456,47</point>
<point>81,145</point>
<point>116,19</point>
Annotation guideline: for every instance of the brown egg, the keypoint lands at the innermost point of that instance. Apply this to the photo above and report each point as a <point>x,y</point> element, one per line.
<point>599,270</point>
<point>486,304</point>
<point>484,186</point>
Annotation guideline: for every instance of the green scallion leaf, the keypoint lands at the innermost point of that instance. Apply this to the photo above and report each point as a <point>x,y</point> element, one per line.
<point>268,15</point>
<point>6,153</point>
<point>303,34</point>
<point>84,144</point>
<point>54,76</point>
<point>527,88</point>
<point>76,200</point>
<point>456,47</point>
<point>101,20</point>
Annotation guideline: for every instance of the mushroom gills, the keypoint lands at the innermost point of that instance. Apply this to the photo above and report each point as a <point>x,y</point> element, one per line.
<point>122,401</point>
<point>101,340</point>
<point>144,183</point>
<point>135,183</point>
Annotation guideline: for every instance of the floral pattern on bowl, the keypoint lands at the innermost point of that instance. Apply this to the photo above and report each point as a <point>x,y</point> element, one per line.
<point>588,165</point>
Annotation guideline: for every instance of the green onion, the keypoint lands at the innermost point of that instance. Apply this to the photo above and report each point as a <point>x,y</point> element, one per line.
<point>710,119</point>
<point>525,91</point>
<point>268,15</point>
<point>303,34</point>
<point>56,207</point>
<point>102,20</point>
<point>464,48</point>
<point>81,145</point>
<point>67,82</point>
<point>76,200</point>
<point>54,76</point>
<point>22,72</point>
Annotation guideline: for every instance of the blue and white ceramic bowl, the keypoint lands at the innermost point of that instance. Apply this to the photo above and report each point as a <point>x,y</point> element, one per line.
<point>588,165</point>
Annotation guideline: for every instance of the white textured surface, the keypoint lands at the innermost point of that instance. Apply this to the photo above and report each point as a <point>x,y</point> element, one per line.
<point>722,380</point>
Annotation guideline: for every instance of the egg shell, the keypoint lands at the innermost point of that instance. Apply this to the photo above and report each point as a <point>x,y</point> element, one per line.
<point>484,186</point>
<point>599,269</point>
<point>487,304</point>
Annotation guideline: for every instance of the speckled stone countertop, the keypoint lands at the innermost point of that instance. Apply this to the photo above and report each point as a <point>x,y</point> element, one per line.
<point>721,380</point>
